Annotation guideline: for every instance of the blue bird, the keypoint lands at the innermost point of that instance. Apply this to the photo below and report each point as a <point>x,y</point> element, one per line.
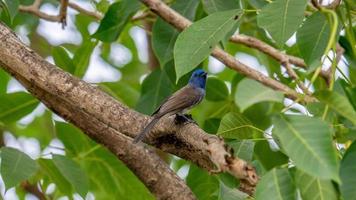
<point>181,101</point>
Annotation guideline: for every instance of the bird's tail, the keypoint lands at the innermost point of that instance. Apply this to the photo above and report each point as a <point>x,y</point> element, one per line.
<point>147,129</point>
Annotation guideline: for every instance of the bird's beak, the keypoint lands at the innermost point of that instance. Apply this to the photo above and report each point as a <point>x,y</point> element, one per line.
<point>205,74</point>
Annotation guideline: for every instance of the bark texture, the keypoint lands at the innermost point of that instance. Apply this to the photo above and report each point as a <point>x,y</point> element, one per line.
<point>113,124</point>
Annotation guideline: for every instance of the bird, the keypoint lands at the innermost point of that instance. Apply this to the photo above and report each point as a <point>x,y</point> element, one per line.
<point>179,102</point>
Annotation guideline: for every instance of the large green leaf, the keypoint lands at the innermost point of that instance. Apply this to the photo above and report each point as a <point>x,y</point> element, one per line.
<point>82,57</point>
<point>348,173</point>
<point>281,18</point>
<point>164,35</point>
<point>211,6</point>
<point>197,41</point>
<point>122,91</point>
<point>338,103</point>
<point>216,90</point>
<point>155,88</point>
<point>62,59</point>
<point>313,188</point>
<point>14,106</point>
<point>16,166</point>
<point>73,173</point>
<point>203,185</point>
<point>308,143</point>
<point>115,19</point>
<point>312,39</point>
<point>250,92</point>
<point>235,125</point>
<point>276,185</point>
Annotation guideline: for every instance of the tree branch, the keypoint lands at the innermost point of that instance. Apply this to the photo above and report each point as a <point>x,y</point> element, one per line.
<point>180,22</point>
<point>33,189</point>
<point>111,123</point>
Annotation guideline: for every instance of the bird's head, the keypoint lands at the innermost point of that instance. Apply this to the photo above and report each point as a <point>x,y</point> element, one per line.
<point>198,78</point>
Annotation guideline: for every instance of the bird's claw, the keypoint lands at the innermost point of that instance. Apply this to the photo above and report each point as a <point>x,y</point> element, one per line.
<point>184,119</point>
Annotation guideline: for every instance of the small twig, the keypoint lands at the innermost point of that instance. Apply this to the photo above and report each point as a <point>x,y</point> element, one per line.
<point>93,14</point>
<point>33,189</point>
<point>295,77</point>
<point>63,13</point>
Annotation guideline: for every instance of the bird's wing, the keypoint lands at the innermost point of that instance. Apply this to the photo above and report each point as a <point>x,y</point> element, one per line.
<point>184,98</point>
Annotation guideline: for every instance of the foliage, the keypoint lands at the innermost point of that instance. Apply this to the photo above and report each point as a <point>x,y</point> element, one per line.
<point>301,151</point>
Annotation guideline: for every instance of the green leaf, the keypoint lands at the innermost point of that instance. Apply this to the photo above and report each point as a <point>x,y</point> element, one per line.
<point>202,184</point>
<point>16,166</point>
<point>155,88</point>
<point>313,38</point>
<point>276,185</point>
<point>73,173</point>
<point>16,105</point>
<point>115,19</point>
<point>281,18</point>
<point>50,170</point>
<point>243,149</point>
<point>338,103</point>
<point>264,153</point>
<point>4,79</point>
<point>82,57</point>
<point>62,59</point>
<point>216,90</point>
<point>202,36</point>
<point>122,91</point>
<point>236,126</point>
<point>250,92</point>
<point>313,188</point>
<point>226,193</point>
<point>164,35</point>
<point>348,173</point>
<point>308,142</point>
<point>211,6</point>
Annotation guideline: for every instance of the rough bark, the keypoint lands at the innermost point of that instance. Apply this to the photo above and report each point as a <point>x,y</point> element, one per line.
<point>112,124</point>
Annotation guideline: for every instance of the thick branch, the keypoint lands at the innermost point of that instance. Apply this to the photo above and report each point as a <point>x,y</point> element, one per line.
<point>88,107</point>
<point>153,172</point>
<point>33,189</point>
<point>180,22</point>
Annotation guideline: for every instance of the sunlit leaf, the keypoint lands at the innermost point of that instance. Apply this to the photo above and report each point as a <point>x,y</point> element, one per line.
<point>122,91</point>
<point>202,36</point>
<point>243,149</point>
<point>226,193</point>
<point>308,142</point>
<point>203,185</point>
<point>4,79</point>
<point>16,166</point>
<point>250,92</point>
<point>281,18</point>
